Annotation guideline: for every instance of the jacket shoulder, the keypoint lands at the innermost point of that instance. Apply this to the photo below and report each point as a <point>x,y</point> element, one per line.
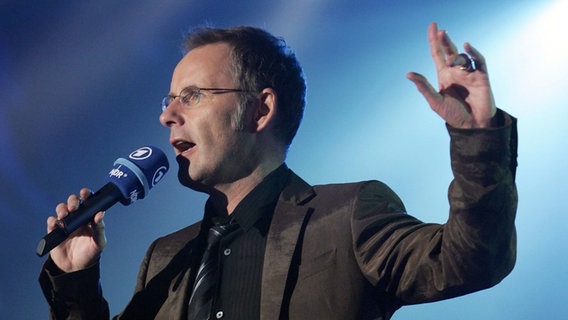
<point>372,191</point>
<point>166,249</point>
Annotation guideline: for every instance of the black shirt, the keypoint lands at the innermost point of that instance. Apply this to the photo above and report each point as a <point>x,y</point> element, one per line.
<point>242,252</point>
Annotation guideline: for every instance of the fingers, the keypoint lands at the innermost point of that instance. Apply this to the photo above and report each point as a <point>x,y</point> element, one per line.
<point>97,225</point>
<point>442,49</point>
<point>433,98</point>
<point>74,201</point>
<point>447,44</point>
<point>476,56</point>
<point>72,204</point>
<point>436,49</point>
<point>85,193</point>
<point>464,94</point>
<point>445,53</point>
<point>51,223</point>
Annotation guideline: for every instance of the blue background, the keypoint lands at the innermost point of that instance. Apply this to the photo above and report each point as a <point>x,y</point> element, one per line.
<point>81,83</point>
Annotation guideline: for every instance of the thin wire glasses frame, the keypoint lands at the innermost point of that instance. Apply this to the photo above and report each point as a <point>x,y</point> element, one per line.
<point>191,95</point>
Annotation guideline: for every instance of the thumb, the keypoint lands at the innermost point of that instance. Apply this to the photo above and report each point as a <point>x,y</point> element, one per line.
<point>425,88</point>
<point>98,227</point>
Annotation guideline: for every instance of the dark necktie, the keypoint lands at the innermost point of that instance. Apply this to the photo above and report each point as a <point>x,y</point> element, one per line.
<point>201,300</point>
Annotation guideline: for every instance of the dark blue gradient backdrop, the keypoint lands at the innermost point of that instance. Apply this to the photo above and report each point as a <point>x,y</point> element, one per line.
<point>81,84</point>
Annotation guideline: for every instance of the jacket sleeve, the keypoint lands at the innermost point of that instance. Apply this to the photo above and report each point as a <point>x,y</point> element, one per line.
<point>78,295</point>
<point>75,295</point>
<point>413,262</point>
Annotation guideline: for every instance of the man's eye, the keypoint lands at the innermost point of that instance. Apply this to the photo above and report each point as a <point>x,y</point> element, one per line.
<point>192,97</point>
<point>196,96</point>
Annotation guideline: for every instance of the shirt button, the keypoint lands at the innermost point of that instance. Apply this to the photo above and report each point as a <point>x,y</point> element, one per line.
<point>227,252</point>
<point>219,314</point>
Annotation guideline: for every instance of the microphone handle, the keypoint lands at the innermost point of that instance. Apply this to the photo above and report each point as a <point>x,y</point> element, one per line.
<point>101,200</point>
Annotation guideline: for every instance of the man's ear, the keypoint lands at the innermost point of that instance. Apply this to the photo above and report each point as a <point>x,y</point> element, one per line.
<point>266,109</point>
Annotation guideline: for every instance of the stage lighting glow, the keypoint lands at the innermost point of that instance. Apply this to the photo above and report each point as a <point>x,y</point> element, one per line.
<point>537,55</point>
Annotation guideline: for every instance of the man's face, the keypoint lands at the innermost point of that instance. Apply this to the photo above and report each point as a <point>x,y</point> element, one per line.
<point>209,151</point>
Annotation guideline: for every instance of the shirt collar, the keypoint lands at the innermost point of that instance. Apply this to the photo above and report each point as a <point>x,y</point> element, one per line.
<point>255,205</point>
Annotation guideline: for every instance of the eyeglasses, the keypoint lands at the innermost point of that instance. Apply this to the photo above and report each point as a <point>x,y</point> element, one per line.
<point>191,96</point>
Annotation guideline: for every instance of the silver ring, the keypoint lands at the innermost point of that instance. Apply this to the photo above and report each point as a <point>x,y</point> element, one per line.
<point>464,62</point>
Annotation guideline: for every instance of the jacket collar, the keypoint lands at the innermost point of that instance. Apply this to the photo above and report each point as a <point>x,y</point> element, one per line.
<point>286,227</point>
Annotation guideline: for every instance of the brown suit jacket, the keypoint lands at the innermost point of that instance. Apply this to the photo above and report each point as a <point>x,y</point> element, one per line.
<point>348,251</point>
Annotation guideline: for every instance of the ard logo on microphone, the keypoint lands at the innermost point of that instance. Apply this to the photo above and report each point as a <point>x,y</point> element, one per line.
<point>141,154</point>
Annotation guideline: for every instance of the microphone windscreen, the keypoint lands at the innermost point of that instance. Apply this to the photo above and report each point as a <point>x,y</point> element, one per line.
<point>138,173</point>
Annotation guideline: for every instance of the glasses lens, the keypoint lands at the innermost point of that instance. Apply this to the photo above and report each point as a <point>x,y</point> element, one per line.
<point>190,96</point>
<point>165,103</point>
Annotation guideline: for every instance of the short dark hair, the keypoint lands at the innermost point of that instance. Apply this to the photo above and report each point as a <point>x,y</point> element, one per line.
<point>261,60</point>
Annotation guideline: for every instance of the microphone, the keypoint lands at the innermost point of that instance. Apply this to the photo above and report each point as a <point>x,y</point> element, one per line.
<point>130,179</point>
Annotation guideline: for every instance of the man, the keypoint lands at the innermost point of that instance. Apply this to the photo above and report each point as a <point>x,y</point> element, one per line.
<point>343,251</point>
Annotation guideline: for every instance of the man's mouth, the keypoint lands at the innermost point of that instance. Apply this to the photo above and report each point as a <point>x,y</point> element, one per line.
<point>182,146</point>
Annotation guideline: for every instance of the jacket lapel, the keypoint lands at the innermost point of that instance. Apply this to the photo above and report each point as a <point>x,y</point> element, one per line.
<point>282,238</point>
